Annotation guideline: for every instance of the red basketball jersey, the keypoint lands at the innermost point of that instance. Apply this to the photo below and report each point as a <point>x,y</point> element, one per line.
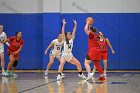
<point>14,44</point>
<point>93,40</point>
<point>103,45</point>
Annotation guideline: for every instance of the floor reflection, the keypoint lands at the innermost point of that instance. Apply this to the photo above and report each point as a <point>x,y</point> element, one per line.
<point>8,85</point>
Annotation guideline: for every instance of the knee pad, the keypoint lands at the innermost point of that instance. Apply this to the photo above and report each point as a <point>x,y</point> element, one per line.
<point>15,63</point>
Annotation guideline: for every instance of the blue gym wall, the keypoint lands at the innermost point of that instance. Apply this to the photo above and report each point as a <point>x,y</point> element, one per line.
<point>41,22</point>
<point>121,29</point>
<point>31,26</point>
<point>40,29</point>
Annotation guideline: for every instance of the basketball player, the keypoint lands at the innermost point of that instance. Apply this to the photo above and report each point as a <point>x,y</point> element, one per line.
<point>67,52</point>
<point>104,43</point>
<point>16,44</point>
<point>55,52</point>
<point>3,39</point>
<point>94,53</point>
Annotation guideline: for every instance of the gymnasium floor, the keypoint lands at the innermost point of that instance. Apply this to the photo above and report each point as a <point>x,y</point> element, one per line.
<point>117,82</point>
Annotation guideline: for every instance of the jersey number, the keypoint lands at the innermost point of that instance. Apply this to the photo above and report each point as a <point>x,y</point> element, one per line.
<point>69,46</point>
<point>58,48</point>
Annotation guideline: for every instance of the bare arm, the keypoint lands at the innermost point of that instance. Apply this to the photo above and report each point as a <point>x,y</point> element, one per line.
<point>108,42</point>
<point>63,27</point>
<point>16,52</point>
<point>6,40</point>
<point>74,29</point>
<point>51,44</point>
<point>86,28</point>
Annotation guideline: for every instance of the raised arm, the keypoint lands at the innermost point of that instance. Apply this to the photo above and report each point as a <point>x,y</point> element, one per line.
<point>108,42</point>
<point>86,28</point>
<point>74,29</point>
<point>63,27</point>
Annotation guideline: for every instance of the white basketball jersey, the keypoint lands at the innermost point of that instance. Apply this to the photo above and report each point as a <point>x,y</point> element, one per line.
<point>57,45</point>
<point>2,38</point>
<point>68,47</point>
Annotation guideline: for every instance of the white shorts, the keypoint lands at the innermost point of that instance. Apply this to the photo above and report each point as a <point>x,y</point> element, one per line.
<point>1,49</point>
<point>67,56</point>
<point>55,54</point>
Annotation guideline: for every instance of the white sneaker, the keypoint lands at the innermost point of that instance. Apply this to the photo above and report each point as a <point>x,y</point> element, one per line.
<point>62,77</point>
<point>46,73</point>
<point>89,76</point>
<point>105,74</point>
<point>62,74</point>
<point>82,76</point>
<point>3,73</point>
<point>59,77</point>
<point>93,73</point>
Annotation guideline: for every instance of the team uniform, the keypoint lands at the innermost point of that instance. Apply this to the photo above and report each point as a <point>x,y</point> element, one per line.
<point>67,54</point>
<point>94,53</point>
<point>56,51</point>
<point>103,49</point>
<point>93,47</point>
<point>14,45</point>
<point>1,42</point>
<point>67,51</point>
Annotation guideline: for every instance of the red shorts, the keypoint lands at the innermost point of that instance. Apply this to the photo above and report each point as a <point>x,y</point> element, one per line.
<point>104,55</point>
<point>9,53</point>
<point>94,53</point>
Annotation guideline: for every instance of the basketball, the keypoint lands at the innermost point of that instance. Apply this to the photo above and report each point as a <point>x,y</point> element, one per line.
<point>90,20</point>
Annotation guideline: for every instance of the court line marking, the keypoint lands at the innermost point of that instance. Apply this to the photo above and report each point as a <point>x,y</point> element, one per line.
<point>37,86</point>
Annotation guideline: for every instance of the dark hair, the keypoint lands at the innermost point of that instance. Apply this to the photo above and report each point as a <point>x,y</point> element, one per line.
<point>1,25</point>
<point>17,33</point>
<point>93,29</point>
<point>67,40</point>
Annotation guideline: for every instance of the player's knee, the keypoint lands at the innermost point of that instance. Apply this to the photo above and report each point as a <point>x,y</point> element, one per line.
<point>2,60</point>
<point>86,63</point>
<point>62,64</point>
<point>78,64</point>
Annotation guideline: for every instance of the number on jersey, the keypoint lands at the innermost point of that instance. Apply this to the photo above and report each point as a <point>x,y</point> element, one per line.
<point>58,48</point>
<point>69,46</point>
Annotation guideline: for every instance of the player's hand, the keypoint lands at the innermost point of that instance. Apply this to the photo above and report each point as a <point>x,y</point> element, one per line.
<point>88,23</point>
<point>2,41</point>
<point>46,52</point>
<point>63,21</point>
<point>74,21</point>
<point>113,52</point>
<point>14,53</point>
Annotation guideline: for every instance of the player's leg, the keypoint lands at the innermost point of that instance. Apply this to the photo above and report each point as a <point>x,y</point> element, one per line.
<point>105,66</point>
<point>105,59</point>
<point>2,62</point>
<point>49,64</point>
<point>87,63</point>
<point>87,66</point>
<point>99,68</point>
<point>78,65</point>
<point>61,66</point>
<point>59,59</point>
<point>12,59</point>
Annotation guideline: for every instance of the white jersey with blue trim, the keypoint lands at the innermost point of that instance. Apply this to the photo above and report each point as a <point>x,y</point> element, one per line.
<point>57,47</point>
<point>1,42</point>
<point>2,38</point>
<point>68,47</point>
